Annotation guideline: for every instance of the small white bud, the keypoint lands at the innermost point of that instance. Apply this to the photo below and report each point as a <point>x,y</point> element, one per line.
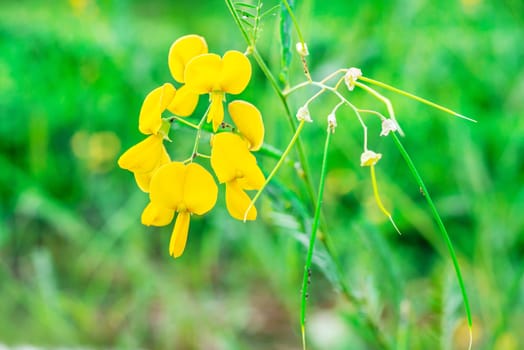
<point>332,122</point>
<point>389,125</point>
<point>302,49</point>
<point>303,114</point>
<point>351,77</point>
<point>369,158</point>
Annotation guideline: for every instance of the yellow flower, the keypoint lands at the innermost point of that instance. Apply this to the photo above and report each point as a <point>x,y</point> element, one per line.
<point>182,102</point>
<point>248,121</point>
<point>183,50</point>
<point>144,158</point>
<point>155,103</point>
<point>235,166</point>
<point>154,215</point>
<point>210,73</point>
<point>186,189</point>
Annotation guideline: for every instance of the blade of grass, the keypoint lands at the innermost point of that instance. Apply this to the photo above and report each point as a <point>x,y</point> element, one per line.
<point>442,229</point>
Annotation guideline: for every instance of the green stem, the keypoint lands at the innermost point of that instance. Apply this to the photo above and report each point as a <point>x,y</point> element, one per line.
<point>386,101</point>
<point>441,227</point>
<point>199,132</point>
<point>294,20</point>
<point>182,121</point>
<point>275,169</point>
<point>326,240</point>
<point>274,84</point>
<point>415,97</point>
<point>316,219</point>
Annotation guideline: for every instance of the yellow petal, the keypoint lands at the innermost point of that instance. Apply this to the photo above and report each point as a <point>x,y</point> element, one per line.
<point>145,156</point>
<point>184,103</point>
<point>154,215</point>
<point>200,189</point>
<point>167,186</point>
<point>236,72</point>
<point>144,179</point>
<point>223,160</point>
<point>202,73</point>
<point>230,159</point>
<point>237,202</point>
<point>178,239</point>
<point>216,110</point>
<point>253,178</point>
<point>155,103</point>
<point>248,120</point>
<point>182,51</point>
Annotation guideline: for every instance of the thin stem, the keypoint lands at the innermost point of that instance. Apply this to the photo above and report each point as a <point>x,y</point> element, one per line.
<point>294,20</point>
<point>316,219</point>
<point>300,39</point>
<point>277,166</point>
<point>257,19</point>
<point>297,87</point>
<point>378,200</point>
<point>382,98</point>
<point>199,132</point>
<point>355,109</point>
<point>291,119</point>
<point>240,26</point>
<point>375,329</point>
<point>415,97</point>
<point>315,96</point>
<point>182,121</point>
<point>332,75</point>
<point>369,111</point>
<point>441,227</point>
<point>342,98</point>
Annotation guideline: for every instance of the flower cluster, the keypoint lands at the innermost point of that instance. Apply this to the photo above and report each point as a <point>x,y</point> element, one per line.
<point>186,187</point>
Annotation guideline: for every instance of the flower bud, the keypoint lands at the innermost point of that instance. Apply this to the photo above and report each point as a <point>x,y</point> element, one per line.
<point>302,49</point>
<point>351,77</point>
<point>369,158</point>
<point>332,122</point>
<point>389,125</point>
<point>303,114</point>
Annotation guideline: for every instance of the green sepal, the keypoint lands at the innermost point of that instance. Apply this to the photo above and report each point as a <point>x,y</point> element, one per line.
<point>164,129</point>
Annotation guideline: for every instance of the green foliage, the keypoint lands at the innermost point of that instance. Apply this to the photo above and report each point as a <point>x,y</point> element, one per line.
<point>78,268</point>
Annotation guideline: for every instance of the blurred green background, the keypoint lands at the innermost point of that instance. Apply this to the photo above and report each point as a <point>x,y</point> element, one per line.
<point>78,269</point>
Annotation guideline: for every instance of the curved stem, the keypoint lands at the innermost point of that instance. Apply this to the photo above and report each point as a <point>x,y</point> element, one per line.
<point>415,97</point>
<point>326,240</point>
<point>442,229</point>
<point>379,201</point>
<point>275,169</point>
<point>199,132</point>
